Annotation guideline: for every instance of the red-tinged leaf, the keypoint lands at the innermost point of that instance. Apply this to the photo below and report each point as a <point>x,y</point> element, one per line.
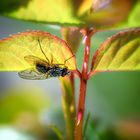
<point>120,52</point>
<point>15,49</point>
<point>104,14</point>
<point>72,36</point>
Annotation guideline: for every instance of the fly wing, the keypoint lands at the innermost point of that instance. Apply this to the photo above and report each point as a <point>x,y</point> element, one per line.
<point>33,60</point>
<point>31,74</point>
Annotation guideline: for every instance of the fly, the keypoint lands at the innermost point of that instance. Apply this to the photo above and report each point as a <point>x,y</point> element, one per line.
<point>43,68</point>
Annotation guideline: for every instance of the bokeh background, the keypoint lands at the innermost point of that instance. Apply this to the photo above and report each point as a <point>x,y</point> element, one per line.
<point>28,108</point>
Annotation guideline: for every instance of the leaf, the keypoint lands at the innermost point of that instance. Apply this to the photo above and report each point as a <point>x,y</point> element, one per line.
<point>50,11</point>
<point>120,52</point>
<point>97,13</point>
<point>14,49</point>
<point>104,15</point>
<point>101,14</point>
<point>72,36</point>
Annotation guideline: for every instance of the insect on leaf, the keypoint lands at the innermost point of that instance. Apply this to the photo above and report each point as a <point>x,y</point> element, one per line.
<point>14,51</point>
<point>120,52</point>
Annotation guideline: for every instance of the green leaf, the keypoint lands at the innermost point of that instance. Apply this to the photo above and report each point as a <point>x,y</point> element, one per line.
<point>50,11</point>
<point>68,12</point>
<point>14,49</point>
<point>101,14</point>
<point>120,52</point>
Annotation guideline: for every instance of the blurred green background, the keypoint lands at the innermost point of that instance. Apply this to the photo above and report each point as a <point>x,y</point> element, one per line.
<point>28,107</point>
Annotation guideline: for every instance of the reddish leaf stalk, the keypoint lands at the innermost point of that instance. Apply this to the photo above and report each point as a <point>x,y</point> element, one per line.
<point>83,85</point>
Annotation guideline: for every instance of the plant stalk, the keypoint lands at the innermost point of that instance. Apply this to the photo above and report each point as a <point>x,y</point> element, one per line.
<point>83,87</point>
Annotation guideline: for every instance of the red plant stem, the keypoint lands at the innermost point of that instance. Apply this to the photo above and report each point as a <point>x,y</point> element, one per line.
<point>81,109</point>
<point>83,85</point>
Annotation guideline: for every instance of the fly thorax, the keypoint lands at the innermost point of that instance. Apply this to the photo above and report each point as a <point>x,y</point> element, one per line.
<point>42,68</point>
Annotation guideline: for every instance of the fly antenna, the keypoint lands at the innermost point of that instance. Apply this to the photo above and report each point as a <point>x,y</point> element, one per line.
<point>42,50</point>
<point>68,59</point>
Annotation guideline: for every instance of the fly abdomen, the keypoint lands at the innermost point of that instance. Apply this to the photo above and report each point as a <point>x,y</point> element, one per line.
<point>58,71</point>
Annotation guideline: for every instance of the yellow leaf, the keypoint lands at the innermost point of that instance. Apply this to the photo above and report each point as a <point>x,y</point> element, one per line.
<point>120,52</point>
<point>15,49</point>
